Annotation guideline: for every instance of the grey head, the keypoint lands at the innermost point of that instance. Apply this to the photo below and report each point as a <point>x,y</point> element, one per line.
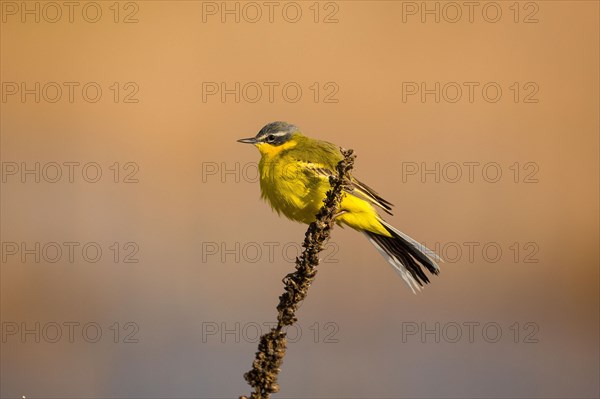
<point>274,133</point>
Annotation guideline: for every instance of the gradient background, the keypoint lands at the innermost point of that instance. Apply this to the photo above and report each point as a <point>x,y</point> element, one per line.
<point>176,289</point>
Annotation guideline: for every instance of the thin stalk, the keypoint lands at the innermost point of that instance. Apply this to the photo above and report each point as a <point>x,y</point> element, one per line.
<point>272,345</point>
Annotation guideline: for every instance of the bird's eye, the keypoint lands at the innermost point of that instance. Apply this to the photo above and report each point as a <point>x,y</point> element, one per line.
<point>270,138</point>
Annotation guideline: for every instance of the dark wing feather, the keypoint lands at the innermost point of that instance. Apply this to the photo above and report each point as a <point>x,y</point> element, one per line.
<point>372,195</point>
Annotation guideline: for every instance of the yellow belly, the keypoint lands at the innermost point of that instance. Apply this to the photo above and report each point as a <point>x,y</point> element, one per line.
<point>298,194</point>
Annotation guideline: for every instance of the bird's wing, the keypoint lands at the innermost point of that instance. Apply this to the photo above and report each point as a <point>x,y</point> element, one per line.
<point>323,160</point>
<point>371,195</point>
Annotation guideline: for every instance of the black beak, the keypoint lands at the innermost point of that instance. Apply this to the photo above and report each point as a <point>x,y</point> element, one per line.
<point>250,140</point>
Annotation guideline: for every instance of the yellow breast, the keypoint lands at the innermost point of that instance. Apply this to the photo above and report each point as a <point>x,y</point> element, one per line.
<point>286,184</point>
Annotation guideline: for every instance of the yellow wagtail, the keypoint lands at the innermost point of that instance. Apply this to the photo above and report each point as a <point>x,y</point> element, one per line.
<point>294,178</point>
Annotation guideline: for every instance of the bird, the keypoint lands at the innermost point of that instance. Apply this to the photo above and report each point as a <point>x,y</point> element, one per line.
<point>294,173</point>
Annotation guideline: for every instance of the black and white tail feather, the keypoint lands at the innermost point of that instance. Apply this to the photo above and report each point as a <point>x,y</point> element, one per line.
<point>407,256</point>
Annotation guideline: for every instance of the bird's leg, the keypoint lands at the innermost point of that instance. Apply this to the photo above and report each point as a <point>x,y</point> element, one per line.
<point>340,213</point>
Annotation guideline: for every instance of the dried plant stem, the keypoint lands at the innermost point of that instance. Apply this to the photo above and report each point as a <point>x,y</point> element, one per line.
<point>271,348</point>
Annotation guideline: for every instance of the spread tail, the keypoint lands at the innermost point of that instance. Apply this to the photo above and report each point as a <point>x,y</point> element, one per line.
<point>407,256</point>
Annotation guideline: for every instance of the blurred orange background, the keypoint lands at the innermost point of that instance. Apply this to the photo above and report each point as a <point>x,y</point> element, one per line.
<point>211,255</point>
